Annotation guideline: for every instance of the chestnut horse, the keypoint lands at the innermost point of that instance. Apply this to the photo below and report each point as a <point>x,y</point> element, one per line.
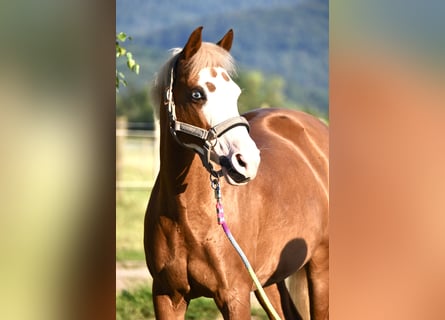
<point>275,193</point>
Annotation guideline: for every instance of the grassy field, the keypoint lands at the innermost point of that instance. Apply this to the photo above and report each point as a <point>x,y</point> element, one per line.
<point>130,210</point>
<point>137,304</point>
<point>137,166</point>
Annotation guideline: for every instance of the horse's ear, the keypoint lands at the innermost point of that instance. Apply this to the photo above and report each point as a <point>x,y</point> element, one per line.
<point>226,41</point>
<point>193,44</point>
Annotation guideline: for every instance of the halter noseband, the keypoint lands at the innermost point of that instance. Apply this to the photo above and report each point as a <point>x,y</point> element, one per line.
<point>207,136</point>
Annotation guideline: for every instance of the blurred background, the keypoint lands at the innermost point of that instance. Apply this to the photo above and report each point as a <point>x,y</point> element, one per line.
<point>281,48</point>
<point>58,202</point>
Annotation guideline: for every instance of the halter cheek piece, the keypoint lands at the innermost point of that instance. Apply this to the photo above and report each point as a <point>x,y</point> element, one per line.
<point>207,136</point>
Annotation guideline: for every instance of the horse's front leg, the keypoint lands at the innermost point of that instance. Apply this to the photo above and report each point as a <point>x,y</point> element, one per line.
<point>167,305</point>
<point>234,303</point>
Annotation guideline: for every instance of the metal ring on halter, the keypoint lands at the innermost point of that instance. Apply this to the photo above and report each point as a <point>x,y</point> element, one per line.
<point>214,182</point>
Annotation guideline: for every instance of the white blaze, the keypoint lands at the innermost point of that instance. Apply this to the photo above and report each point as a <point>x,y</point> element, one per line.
<point>222,103</point>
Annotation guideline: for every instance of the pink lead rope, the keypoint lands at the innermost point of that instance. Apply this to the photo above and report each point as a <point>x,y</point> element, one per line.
<point>221,221</point>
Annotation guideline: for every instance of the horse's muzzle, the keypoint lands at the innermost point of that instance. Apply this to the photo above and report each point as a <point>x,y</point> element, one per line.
<point>231,170</point>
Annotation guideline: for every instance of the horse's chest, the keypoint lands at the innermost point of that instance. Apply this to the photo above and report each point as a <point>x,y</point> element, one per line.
<point>190,273</point>
<point>185,264</point>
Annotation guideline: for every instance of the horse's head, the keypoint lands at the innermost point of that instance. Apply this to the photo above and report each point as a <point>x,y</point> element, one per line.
<point>204,112</point>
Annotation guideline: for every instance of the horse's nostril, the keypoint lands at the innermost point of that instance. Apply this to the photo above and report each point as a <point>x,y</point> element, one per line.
<point>240,160</point>
<point>235,168</point>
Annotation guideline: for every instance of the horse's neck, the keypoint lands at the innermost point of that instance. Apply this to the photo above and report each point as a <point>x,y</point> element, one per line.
<point>179,165</point>
<point>182,178</point>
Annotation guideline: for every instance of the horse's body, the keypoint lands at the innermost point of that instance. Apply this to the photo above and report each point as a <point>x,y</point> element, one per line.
<point>279,218</point>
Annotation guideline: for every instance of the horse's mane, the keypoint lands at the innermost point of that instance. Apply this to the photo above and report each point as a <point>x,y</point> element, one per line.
<point>209,55</point>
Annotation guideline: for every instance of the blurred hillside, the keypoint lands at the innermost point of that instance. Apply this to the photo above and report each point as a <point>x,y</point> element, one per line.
<point>284,42</point>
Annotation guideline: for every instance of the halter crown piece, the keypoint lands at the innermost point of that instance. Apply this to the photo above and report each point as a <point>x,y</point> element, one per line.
<point>209,137</point>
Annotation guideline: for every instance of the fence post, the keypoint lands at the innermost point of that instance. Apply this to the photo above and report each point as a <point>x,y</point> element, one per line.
<point>157,139</point>
<point>121,134</point>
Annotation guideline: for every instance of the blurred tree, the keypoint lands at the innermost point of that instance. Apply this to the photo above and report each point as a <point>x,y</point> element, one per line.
<point>274,92</point>
<point>259,90</point>
<point>135,106</point>
<point>251,84</point>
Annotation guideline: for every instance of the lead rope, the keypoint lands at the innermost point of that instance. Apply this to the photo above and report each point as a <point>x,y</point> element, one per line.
<point>221,221</point>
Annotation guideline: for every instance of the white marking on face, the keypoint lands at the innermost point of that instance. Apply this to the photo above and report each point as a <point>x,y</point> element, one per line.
<point>222,95</point>
<point>222,103</point>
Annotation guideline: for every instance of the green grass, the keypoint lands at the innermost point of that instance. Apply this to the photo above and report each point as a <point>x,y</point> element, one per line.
<point>136,158</point>
<point>130,211</point>
<point>134,305</point>
<point>137,305</point>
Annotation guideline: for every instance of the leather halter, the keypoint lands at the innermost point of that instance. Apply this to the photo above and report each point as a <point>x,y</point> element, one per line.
<point>208,137</point>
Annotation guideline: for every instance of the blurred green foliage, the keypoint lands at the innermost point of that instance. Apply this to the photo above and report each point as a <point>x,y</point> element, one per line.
<point>135,105</point>
<point>121,51</point>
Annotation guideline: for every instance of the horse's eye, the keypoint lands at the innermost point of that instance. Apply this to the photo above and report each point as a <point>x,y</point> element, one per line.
<point>196,95</point>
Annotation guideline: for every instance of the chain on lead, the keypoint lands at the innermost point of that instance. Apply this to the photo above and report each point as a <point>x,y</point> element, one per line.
<point>214,180</point>
<point>214,183</point>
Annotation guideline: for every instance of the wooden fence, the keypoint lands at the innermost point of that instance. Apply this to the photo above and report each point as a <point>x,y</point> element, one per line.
<point>137,157</point>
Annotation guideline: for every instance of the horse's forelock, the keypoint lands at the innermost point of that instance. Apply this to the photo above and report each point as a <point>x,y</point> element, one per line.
<point>208,56</point>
